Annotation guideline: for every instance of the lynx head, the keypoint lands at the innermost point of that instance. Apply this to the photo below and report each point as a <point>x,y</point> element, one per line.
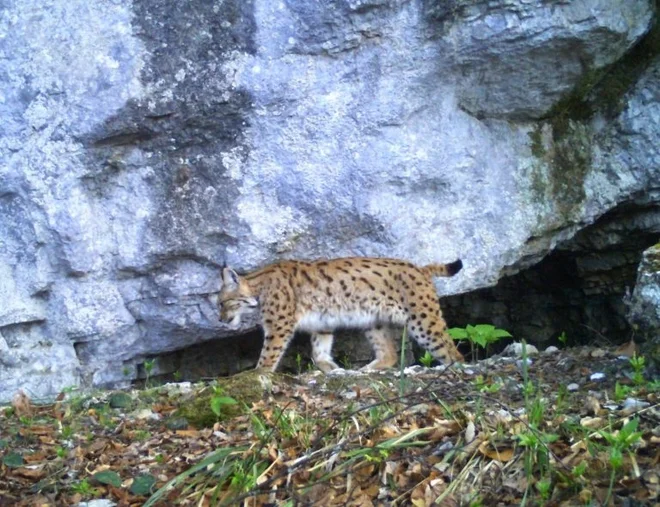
<point>235,298</point>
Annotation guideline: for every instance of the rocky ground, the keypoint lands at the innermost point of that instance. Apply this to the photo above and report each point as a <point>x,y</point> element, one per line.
<point>577,426</point>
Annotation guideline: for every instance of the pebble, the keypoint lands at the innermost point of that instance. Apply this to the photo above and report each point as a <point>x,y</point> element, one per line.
<point>519,362</point>
<point>516,349</point>
<point>598,353</point>
<point>145,413</point>
<point>551,350</point>
<point>631,405</point>
<point>349,395</point>
<point>172,388</point>
<point>97,503</point>
<point>572,387</point>
<point>591,422</point>
<point>597,376</point>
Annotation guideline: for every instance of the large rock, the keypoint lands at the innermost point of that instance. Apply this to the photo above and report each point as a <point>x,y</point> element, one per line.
<point>143,144</point>
<point>644,303</point>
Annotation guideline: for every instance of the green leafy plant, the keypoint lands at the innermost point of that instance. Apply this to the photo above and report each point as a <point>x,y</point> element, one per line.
<point>219,401</point>
<point>563,338</point>
<point>108,477</point>
<point>482,335</point>
<point>84,488</point>
<point>619,442</point>
<point>299,363</point>
<point>637,363</point>
<point>148,368</point>
<point>426,359</point>
<point>402,361</point>
<point>484,386</point>
<point>621,391</point>
<point>177,376</point>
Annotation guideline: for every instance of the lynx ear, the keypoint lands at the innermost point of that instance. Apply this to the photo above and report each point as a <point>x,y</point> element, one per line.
<point>229,278</point>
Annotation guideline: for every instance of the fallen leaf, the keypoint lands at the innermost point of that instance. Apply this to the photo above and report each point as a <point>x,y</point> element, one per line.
<point>503,453</point>
<point>22,405</point>
<point>627,349</point>
<point>470,432</point>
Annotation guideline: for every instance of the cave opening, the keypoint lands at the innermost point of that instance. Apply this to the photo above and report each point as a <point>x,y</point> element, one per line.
<point>578,289</point>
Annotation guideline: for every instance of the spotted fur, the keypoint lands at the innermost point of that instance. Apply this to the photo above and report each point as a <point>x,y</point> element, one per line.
<point>379,295</point>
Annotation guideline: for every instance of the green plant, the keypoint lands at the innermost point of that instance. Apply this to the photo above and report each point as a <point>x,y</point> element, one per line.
<point>402,361</point>
<point>299,362</point>
<point>619,442</point>
<point>484,386</point>
<point>66,432</point>
<point>621,391</point>
<point>426,359</point>
<point>637,363</point>
<point>219,401</point>
<point>562,398</point>
<point>177,375</point>
<point>61,452</point>
<point>537,454</point>
<point>126,371</point>
<point>563,339</point>
<point>25,420</point>
<point>148,368</point>
<point>544,488</point>
<point>84,488</point>
<point>141,435</point>
<point>482,334</point>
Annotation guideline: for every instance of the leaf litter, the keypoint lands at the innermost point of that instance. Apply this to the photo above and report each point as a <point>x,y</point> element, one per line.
<point>479,434</point>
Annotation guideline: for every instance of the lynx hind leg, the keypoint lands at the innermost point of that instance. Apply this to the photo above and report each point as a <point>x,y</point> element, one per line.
<point>382,341</point>
<point>428,328</point>
<point>322,352</point>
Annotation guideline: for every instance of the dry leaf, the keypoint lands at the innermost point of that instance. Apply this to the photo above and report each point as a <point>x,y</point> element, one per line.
<point>22,405</point>
<point>470,432</point>
<point>627,349</point>
<point>501,453</point>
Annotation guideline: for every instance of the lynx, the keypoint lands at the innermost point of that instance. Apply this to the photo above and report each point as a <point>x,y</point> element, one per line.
<point>318,297</point>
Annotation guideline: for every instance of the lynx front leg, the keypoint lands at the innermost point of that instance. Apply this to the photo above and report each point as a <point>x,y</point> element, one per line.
<point>322,352</point>
<point>275,345</point>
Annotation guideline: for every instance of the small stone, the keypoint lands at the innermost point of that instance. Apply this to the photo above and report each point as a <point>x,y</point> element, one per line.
<point>598,353</point>
<point>572,387</point>
<point>516,350</point>
<point>591,422</point>
<point>596,377</point>
<point>349,395</point>
<point>504,415</point>
<point>173,388</point>
<point>120,400</point>
<point>631,405</point>
<point>145,413</point>
<point>528,361</point>
<point>551,350</point>
<point>470,432</point>
<point>97,503</point>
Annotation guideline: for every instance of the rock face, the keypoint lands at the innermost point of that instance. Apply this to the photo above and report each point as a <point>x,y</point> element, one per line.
<point>143,144</point>
<point>645,301</point>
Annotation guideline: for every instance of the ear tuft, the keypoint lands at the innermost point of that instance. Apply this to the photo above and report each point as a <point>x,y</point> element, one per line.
<point>229,277</point>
